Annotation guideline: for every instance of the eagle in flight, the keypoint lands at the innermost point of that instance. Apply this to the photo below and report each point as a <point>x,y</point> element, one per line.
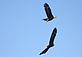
<point>48,13</point>
<point>51,42</point>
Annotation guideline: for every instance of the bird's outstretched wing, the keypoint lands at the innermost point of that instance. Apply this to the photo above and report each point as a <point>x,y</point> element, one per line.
<point>48,10</point>
<point>45,50</point>
<point>51,42</point>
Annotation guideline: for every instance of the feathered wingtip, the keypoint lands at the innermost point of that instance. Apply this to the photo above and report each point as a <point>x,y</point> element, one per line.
<point>40,53</point>
<point>45,50</point>
<point>46,19</point>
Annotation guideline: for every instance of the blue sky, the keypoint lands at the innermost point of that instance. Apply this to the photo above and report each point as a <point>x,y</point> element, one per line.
<point>23,33</point>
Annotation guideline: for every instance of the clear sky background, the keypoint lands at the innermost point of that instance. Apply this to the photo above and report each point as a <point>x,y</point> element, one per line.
<point>23,33</point>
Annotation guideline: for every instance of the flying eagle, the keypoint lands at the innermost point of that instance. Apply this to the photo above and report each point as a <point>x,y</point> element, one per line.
<point>51,42</point>
<point>48,13</point>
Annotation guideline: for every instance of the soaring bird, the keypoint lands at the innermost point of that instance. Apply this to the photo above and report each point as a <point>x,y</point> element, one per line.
<point>48,13</point>
<point>51,42</point>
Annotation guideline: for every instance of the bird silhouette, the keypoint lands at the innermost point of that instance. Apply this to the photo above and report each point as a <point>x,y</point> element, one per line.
<point>48,13</point>
<point>51,41</point>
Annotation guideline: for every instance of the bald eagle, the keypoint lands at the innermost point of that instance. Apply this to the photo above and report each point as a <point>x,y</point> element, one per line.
<point>48,13</point>
<point>51,42</point>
